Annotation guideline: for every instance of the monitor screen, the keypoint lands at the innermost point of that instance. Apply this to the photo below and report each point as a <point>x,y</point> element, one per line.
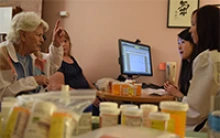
<point>135,58</point>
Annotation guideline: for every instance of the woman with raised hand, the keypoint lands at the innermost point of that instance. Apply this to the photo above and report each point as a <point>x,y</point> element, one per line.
<point>17,67</point>
<point>70,73</point>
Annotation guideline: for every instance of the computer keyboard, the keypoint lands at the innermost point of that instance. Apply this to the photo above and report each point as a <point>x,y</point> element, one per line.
<point>153,86</point>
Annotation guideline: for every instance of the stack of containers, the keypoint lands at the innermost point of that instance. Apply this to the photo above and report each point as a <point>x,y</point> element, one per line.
<point>35,117</point>
<point>147,108</point>
<point>126,88</point>
<point>109,113</point>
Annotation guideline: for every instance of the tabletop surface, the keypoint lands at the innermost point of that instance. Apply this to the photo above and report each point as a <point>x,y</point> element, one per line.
<point>144,98</point>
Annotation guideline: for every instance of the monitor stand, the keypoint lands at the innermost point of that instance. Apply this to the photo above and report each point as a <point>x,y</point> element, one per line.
<point>129,79</point>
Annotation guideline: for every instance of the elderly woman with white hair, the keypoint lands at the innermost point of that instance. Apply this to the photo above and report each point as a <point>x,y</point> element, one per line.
<point>18,73</point>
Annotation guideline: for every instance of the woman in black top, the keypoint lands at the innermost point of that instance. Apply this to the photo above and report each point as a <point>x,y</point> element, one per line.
<point>187,51</point>
<point>73,74</point>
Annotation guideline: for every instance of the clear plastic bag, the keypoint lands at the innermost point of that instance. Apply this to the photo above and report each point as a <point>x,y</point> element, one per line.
<point>67,111</point>
<point>127,132</point>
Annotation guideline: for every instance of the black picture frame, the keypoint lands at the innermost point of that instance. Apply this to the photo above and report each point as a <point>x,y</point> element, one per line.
<point>179,13</point>
<point>218,5</point>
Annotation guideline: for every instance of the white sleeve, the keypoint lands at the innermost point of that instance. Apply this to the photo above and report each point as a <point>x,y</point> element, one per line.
<point>21,85</point>
<point>202,84</point>
<point>53,59</point>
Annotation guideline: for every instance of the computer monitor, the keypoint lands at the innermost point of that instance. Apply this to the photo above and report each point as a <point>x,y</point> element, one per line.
<point>135,58</point>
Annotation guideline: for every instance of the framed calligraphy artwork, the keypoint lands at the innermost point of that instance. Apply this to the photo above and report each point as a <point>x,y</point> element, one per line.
<point>179,13</point>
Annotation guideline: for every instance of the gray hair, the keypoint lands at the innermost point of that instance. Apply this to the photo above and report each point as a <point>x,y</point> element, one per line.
<point>24,21</point>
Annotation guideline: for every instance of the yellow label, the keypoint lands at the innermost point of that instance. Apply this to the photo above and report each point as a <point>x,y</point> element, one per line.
<point>0,124</point>
<point>171,125</point>
<point>123,119</point>
<point>58,127</point>
<point>158,124</point>
<point>12,121</point>
<point>131,91</point>
<point>177,122</point>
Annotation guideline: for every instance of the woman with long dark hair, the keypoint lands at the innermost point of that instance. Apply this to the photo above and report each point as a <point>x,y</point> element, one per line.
<point>206,66</point>
<point>187,51</point>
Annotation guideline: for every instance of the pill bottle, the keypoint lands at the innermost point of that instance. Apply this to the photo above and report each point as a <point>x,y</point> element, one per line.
<point>65,93</point>
<point>116,88</point>
<point>108,117</point>
<point>177,111</point>
<point>17,123</point>
<point>132,117</point>
<point>147,108</point>
<point>108,105</point>
<point>7,104</point>
<point>109,88</point>
<point>63,124</point>
<point>85,122</point>
<point>158,120</point>
<point>39,121</point>
<point>122,107</point>
<point>138,89</point>
<point>124,88</point>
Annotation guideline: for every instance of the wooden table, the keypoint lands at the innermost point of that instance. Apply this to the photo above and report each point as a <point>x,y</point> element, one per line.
<point>139,99</point>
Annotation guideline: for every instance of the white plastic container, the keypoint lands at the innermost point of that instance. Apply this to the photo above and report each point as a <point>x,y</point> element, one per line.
<point>85,123</point>
<point>108,117</point>
<point>39,120</point>
<point>108,105</point>
<point>158,120</point>
<point>147,108</point>
<point>132,117</point>
<point>125,106</point>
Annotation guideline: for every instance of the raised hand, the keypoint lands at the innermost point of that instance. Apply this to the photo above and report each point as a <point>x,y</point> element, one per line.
<point>58,34</point>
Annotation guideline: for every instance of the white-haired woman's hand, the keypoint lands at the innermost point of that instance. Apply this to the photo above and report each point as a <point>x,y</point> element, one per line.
<point>41,80</point>
<point>58,34</point>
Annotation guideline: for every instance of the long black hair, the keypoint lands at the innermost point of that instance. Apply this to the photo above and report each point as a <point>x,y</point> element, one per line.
<point>208,22</point>
<point>186,66</point>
